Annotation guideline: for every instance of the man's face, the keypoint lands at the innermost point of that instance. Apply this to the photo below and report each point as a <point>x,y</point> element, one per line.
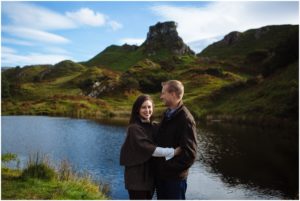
<point>166,97</point>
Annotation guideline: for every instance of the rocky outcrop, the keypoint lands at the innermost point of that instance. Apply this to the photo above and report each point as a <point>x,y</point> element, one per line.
<point>231,38</point>
<point>164,36</point>
<point>101,87</point>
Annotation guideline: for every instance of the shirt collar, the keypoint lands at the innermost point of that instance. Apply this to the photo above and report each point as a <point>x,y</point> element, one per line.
<point>170,111</point>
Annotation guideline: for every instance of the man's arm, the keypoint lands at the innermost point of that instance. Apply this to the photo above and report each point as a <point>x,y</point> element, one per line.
<point>188,144</point>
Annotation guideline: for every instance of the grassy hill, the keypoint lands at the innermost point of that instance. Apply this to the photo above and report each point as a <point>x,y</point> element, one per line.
<point>239,45</point>
<point>116,57</point>
<point>249,77</point>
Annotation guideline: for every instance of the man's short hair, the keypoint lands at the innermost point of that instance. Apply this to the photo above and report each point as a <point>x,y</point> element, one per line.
<point>174,86</point>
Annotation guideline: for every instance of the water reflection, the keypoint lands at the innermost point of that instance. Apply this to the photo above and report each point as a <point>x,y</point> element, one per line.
<point>256,157</point>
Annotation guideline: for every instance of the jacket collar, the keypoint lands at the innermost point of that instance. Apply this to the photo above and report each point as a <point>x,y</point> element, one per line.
<point>173,113</point>
<point>141,121</point>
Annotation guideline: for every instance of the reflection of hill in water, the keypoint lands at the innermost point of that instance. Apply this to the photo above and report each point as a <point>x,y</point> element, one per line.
<point>262,158</point>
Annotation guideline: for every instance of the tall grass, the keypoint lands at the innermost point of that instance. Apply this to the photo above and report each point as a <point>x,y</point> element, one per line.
<point>38,166</point>
<point>40,179</point>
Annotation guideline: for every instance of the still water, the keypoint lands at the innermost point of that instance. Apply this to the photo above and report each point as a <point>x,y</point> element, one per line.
<point>234,162</point>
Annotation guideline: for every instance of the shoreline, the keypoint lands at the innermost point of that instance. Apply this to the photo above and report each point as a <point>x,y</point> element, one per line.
<point>262,121</point>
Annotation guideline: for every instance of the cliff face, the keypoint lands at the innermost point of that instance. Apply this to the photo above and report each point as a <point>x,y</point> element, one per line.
<point>165,36</point>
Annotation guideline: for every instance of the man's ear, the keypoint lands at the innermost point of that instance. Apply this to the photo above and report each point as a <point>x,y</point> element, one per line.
<point>174,95</point>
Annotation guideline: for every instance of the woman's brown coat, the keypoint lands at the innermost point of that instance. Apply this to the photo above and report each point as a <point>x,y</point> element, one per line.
<point>136,154</point>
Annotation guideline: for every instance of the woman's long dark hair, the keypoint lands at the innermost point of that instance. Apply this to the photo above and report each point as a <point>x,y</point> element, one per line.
<point>137,106</point>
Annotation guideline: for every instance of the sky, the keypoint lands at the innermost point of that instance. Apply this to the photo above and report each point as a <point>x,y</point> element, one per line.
<point>47,32</point>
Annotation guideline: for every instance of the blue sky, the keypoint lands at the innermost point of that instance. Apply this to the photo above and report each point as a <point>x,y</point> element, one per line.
<point>46,32</point>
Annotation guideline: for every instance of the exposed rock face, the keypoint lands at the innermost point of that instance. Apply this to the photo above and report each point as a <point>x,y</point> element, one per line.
<point>165,36</point>
<point>99,88</point>
<point>231,38</point>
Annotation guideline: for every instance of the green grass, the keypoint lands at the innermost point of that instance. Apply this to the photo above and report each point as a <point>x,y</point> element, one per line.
<point>116,58</point>
<point>276,97</point>
<point>59,105</point>
<point>31,183</point>
<point>36,90</point>
<point>14,187</point>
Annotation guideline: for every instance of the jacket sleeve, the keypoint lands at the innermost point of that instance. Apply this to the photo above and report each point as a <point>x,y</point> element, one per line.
<point>137,148</point>
<point>188,144</point>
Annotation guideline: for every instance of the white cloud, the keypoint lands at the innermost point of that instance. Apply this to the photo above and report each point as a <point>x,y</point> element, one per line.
<point>115,25</point>
<point>15,41</point>
<point>199,45</point>
<point>35,17</point>
<point>11,58</point>
<point>219,18</point>
<point>5,49</point>
<point>35,35</point>
<point>87,16</point>
<point>132,41</point>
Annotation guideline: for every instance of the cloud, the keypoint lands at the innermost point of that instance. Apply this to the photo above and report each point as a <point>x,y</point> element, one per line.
<point>35,17</point>
<point>15,41</point>
<point>5,49</point>
<point>87,16</point>
<point>35,35</point>
<point>115,25</point>
<point>41,18</point>
<point>199,45</point>
<point>219,18</point>
<point>132,41</point>
<point>10,57</point>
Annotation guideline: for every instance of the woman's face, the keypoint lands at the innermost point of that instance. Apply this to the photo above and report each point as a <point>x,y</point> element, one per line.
<point>146,110</point>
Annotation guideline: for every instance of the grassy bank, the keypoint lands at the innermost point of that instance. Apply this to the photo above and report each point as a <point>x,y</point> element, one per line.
<point>39,180</point>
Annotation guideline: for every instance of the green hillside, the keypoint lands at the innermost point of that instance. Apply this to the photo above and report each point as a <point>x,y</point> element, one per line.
<point>257,100</point>
<point>249,77</point>
<point>116,57</point>
<point>239,45</point>
<point>62,69</point>
<point>255,50</point>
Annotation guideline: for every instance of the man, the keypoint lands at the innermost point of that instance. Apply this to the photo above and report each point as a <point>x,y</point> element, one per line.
<point>177,128</point>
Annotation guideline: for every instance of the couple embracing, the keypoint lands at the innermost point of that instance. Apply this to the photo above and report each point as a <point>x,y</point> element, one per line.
<point>157,156</point>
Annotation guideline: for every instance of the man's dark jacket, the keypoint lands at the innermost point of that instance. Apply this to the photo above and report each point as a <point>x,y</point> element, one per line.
<point>177,130</point>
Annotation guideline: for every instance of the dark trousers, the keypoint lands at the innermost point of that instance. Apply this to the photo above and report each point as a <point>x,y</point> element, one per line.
<point>171,189</point>
<point>140,195</point>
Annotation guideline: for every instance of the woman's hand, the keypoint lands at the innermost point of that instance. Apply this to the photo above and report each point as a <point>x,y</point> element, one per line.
<point>177,151</point>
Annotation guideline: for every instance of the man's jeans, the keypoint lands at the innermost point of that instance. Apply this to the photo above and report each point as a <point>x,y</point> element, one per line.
<point>171,189</point>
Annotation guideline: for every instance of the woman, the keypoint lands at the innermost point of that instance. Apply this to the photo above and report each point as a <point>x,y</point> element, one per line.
<point>138,149</point>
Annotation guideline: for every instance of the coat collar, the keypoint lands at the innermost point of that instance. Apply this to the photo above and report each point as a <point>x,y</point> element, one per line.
<point>173,113</point>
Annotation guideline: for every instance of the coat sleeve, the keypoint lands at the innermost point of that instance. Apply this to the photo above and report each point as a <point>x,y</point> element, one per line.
<point>188,144</point>
<point>137,148</point>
